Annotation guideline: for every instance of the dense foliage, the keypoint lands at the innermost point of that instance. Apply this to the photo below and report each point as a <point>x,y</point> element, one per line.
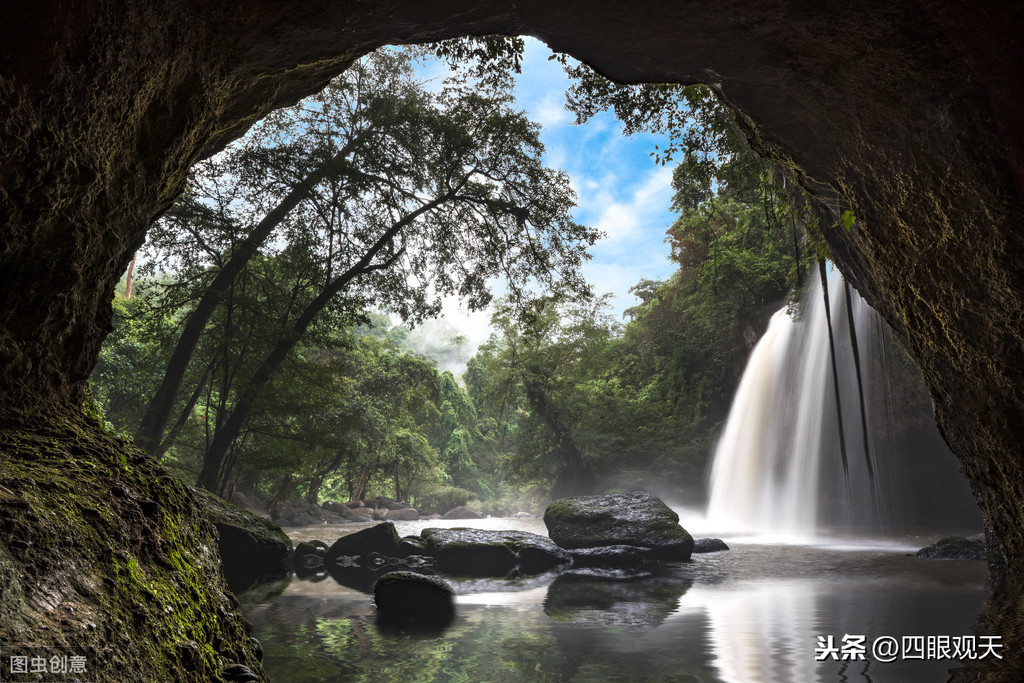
<point>253,360</point>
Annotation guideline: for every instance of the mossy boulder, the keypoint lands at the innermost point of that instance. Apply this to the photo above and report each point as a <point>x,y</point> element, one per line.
<point>478,552</point>
<point>252,548</point>
<point>955,548</point>
<point>104,551</point>
<point>636,519</point>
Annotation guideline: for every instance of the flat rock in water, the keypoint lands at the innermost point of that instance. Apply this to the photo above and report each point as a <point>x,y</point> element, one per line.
<point>379,538</point>
<point>612,557</point>
<point>636,519</point>
<point>478,552</point>
<point>955,548</point>
<point>408,598</point>
<point>709,545</point>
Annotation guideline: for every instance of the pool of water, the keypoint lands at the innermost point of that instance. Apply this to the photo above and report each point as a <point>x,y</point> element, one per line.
<point>763,611</point>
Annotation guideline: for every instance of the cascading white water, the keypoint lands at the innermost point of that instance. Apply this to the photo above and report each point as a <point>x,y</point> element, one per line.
<point>777,454</point>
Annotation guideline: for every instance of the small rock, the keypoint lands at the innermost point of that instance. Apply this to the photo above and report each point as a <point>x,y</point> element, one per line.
<point>239,673</point>
<point>709,545</point>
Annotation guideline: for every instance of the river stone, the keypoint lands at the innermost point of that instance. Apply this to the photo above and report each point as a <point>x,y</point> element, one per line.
<point>955,548</point>
<point>309,555</point>
<point>709,545</point>
<point>379,538</point>
<point>462,513</point>
<point>492,553</point>
<point>612,557</point>
<point>413,545</point>
<point>638,519</point>
<point>409,598</point>
<point>404,515</point>
<point>252,548</point>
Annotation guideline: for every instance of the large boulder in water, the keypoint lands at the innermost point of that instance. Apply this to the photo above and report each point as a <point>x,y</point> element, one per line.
<point>379,538</point>
<point>492,553</point>
<point>411,599</point>
<point>637,519</point>
<point>252,548</point>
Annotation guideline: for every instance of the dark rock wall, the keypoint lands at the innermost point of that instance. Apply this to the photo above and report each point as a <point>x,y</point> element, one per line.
<point>909,114</point>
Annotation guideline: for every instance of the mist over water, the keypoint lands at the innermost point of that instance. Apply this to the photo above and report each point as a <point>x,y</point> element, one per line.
<point>778,467</point>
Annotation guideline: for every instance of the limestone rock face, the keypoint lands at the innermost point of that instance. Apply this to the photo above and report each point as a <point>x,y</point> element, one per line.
<point>631,519</point>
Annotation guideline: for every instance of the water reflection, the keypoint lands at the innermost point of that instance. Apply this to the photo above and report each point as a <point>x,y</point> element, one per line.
<point>749,615</point>
<point>597,599</point>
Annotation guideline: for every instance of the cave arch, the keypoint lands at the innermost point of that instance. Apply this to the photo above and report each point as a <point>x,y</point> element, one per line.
<point>909,115</point>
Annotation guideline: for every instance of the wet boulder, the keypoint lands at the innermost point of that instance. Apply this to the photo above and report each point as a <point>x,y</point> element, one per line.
<point>462,513</point>
<point>955,548</point>
<point>309,555</point>
<point>612,557</point>
<point>410,599</point>
<point>252,548</point>
<point>413,545</point>
<point>478,552</point>
<point>636,519</point>
<point>709,545</point>
<point>379,538</point>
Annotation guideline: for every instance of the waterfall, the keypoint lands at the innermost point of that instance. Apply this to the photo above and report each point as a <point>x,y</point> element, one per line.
<point>777,466</point>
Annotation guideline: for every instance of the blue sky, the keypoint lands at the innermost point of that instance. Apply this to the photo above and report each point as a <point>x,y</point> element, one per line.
<point>620,189</point>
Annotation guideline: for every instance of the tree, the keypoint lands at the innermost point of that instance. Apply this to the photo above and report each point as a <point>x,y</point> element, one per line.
<point>394,195</point>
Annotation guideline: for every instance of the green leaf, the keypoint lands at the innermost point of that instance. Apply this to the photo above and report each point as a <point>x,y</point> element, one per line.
<point>848,219</point>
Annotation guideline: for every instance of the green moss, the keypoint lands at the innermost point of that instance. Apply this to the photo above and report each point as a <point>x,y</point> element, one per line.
<point>105,550</point>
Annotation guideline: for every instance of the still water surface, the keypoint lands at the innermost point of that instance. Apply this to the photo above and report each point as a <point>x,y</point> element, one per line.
<point>752,614</point>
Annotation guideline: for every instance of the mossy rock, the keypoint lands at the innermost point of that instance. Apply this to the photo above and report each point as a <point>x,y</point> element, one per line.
<point>105,553</point>
<point>252,548</point>
<point>478,552</point>
<point>954,548</point>
<point>636,519</point>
